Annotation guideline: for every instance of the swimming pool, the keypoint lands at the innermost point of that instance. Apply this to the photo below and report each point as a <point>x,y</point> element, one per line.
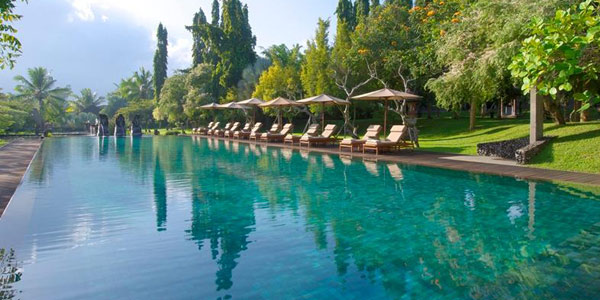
<point>183,217</point>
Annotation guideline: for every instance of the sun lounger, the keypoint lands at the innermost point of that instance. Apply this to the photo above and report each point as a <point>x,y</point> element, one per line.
<point>277,137</point>
<point>313,130</point>
<point>394,141</point>
<point>372,133</point>
<point>229,132</point>
<point>213,129</point>
<point>246,134</point>
<point>256,135</point>
<point>202,130</point>
<point>232,132</point>
<point>326,137</point>
<point>221,132</point>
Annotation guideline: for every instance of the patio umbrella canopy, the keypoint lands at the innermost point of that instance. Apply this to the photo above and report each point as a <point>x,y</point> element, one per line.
<point>210,106</point>
<point>232,105</point>
<point>386,94</point>
<point>280,102</point>
<point>323,100</point>
<point>255,102</point>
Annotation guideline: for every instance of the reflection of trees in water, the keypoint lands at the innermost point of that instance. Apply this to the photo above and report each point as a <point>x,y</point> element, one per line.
<point>160,197</point>
<point>222,218</point>
<point>9,274</point>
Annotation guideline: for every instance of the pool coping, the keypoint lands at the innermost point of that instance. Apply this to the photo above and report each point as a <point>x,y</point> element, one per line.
<point>15,159</point>
<point>445,161</point>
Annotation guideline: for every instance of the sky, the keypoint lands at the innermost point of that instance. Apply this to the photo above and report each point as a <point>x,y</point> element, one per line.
<point>95,43</point>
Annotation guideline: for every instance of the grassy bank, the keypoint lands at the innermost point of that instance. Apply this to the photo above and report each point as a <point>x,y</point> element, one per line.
<point>575,148</point>
<point>2,142</point>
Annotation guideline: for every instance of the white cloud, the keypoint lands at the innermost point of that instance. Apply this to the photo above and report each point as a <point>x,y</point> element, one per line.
<point>174,15</point>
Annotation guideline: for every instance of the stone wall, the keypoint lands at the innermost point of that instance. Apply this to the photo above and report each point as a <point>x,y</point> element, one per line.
<point>525,154</point>
<point>505,149</point>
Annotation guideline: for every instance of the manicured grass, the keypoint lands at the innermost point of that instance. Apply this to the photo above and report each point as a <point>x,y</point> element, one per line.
<point>2,142</point>
<point>575,148</point>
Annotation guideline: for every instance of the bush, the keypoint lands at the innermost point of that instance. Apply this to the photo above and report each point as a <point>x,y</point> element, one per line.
<point>172,132</point>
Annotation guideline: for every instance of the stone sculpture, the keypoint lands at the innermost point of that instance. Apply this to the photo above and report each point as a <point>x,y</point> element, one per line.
<point>136,129</point>
<point>103,125</point>
<point>120,126</point>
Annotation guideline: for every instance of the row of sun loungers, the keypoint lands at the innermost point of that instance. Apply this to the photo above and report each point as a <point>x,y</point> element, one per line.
<point>369,142</point>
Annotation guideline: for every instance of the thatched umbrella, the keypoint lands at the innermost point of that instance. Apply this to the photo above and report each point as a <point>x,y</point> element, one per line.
<point>386,94</point>
<point>280,102</point>
<point>323,100</point>
<point>254,102</point>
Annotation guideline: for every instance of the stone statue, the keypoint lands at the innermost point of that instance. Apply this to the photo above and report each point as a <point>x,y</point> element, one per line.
<point>103,125</point>
<point>136,129</point>
<point>120,126</point>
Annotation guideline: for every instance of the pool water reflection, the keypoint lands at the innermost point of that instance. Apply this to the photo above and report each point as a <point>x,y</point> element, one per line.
<point>182,217</point>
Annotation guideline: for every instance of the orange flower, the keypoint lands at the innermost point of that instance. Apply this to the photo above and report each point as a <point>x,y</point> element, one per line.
<point>431,13</point>
<point>455,20</point>
<point>441,2</point>
<point>442,32</point>
<point>457,13</point>
<point>394,43</point>
<point>417,8</point>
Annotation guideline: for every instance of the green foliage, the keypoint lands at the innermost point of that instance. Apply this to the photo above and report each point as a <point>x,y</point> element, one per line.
<point>137,87</point>
<point>114,103</point>
<point>39,89</point>
<point>250,76</point>
<point>142,108</point>
<point>346,14</point>
<point>170,103</point>
<point>282,78</point>
<point>87,102</point>
<point>562,54</point>
<point>199,45</point>
<point>160,60</point>
<point>197,84</point>
<point>315,74</point>
<point>10,46</point>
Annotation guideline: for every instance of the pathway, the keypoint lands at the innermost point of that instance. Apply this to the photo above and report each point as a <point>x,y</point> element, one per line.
<point>14,160</point>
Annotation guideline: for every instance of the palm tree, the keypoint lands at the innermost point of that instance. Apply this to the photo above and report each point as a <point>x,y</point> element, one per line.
<point>138,86</point>
<point>87,102</point>
<point>40,89</point>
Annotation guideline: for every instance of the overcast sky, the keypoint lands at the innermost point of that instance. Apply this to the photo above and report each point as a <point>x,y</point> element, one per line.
<point>95,43</point>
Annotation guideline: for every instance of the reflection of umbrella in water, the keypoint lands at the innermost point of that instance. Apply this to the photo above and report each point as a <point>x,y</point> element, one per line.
<point>386,94</point>
<point>254,102</point>
<point>323,100</point>
<point>280,102</point>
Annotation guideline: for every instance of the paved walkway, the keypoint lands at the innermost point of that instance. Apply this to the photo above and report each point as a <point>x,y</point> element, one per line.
<point>469,163</point>
<point>14,160</point>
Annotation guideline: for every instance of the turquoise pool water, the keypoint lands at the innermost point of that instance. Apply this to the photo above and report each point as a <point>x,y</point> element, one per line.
<point>190,218</point>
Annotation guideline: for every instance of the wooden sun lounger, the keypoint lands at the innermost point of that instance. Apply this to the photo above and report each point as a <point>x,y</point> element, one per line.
<point>246,134</point>
<point>372,133</point>
<point>231,129</point>
<point>231,132</point>
<point>326,137</point>
<point>394,141</point>
<point>313,129</point>
<point>221,132</point>
<point>277,137</point>
<point>213,129</point>
<point>256,135</point>
<point>202,130</point>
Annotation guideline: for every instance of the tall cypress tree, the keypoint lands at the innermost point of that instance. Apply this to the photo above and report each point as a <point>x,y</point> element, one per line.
<point>374,3</point>
<point>199,45</point>
<point>237,48</point>
<point>362,10</point>
<point>345,13</point>
<point>160,60</point>
<point>215,13</point>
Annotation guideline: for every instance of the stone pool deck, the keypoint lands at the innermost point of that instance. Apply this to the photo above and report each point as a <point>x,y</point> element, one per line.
<point>469,163</point>
<point>14,160</point>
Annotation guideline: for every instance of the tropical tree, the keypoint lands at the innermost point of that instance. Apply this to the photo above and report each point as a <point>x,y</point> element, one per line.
<point>160,60</point>
<point>87,102</point>
<point>282,78</point>
<point>172,98</point>
<point>10,46</point>
<point>562,56</point>
<point>197,85</point>
<point>40,88</point>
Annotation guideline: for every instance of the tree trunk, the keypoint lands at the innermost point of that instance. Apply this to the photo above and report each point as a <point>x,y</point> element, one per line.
<point>574,116</point>
<point>553,107</point>
<point>585,115</point>
<point>472,115</point>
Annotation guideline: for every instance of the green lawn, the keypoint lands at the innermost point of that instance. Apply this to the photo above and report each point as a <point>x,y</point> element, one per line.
<point>576,148</point>
<point>2,142</point>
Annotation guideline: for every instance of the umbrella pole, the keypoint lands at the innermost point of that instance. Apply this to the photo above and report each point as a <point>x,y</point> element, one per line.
<point>322,116</point>
<point>385,119</point>
<point>253,116</point>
